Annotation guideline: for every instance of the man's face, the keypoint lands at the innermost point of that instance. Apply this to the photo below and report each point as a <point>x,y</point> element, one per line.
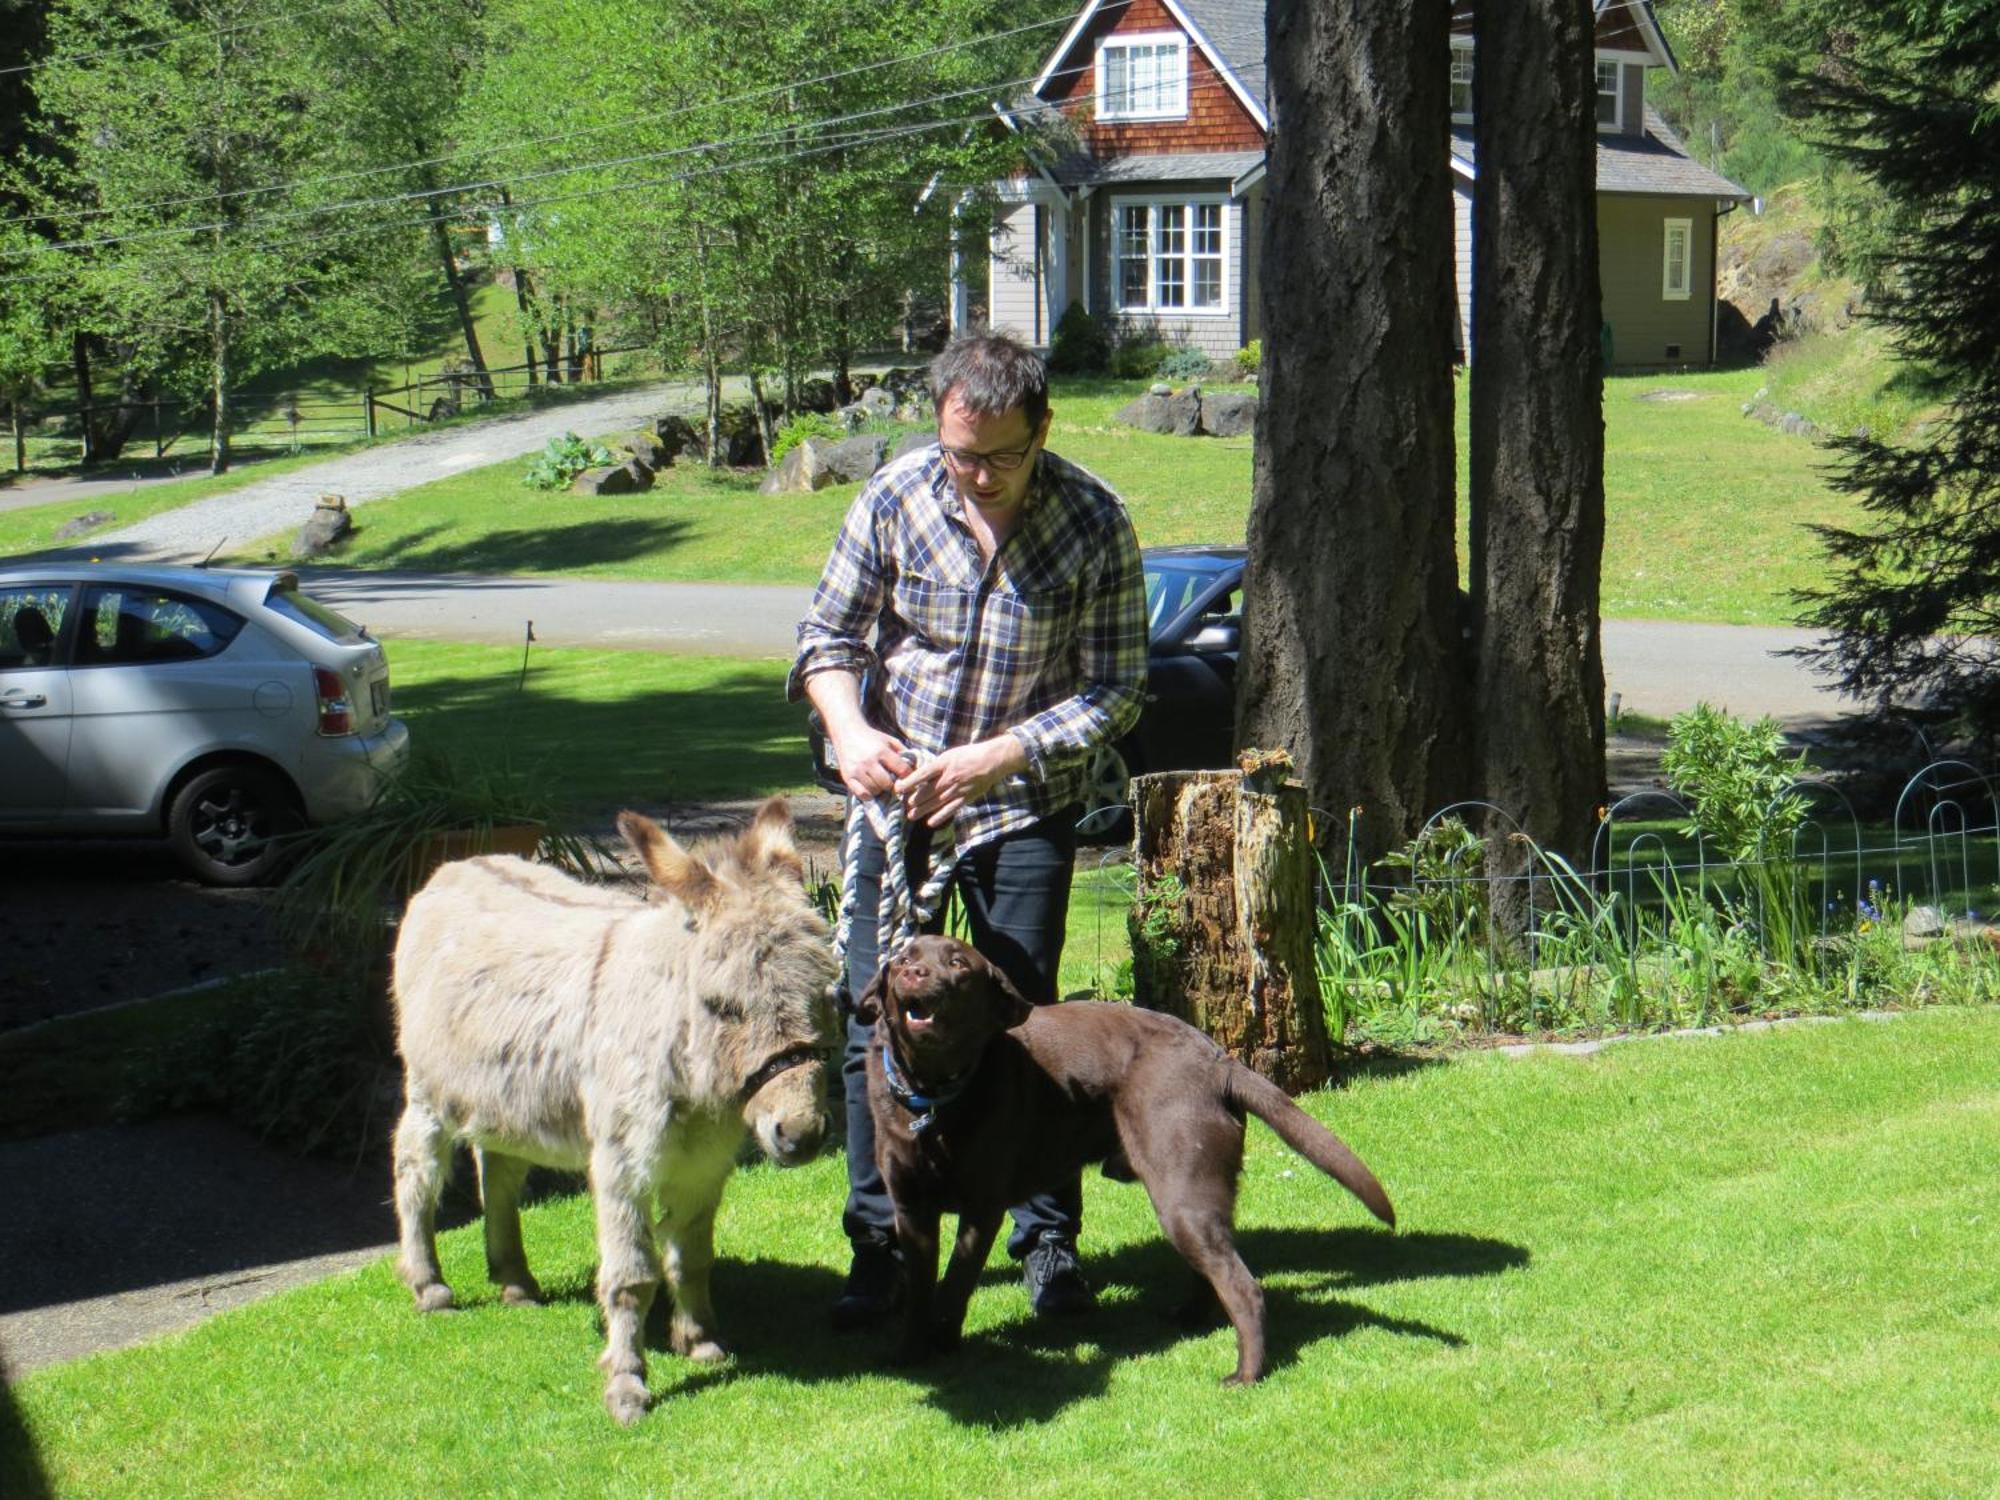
<point>979,448</point>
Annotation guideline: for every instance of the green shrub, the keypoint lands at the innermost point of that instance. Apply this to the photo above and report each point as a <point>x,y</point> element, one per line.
<point>1139,357</point>
<point>1735,773</point>
<point>1184,364</point>
<point>1250,358</point>
<point>796,428</point>
<point>562,460</point>
<point>1081,345</point>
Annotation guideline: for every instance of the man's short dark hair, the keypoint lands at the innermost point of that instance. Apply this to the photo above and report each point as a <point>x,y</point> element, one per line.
<point>990,374</point>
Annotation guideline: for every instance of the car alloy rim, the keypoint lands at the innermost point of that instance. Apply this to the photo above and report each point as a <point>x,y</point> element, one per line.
<point>230,830</point>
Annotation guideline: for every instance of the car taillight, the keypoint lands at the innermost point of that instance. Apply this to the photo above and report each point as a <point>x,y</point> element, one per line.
<point>336,714</point>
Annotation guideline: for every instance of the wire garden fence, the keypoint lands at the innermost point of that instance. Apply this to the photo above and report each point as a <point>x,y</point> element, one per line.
<point>1828,912</point>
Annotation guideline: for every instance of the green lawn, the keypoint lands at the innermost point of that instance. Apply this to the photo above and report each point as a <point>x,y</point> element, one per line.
<point>1706,507</point>
<point>1752,1265</point>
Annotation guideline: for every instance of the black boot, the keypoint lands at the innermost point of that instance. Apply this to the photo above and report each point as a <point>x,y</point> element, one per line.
<point>1056,1287</point>
<point>874,1286</point>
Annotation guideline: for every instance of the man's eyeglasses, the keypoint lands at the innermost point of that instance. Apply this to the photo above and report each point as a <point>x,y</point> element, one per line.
<point>1004,461</point>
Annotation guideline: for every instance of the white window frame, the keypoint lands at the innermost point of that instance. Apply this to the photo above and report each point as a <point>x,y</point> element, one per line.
<point>1461,56</point>
<point>1669,292</point>
<point>1153,204</point>
<point>1176,108</point>
<point>1617,120</point>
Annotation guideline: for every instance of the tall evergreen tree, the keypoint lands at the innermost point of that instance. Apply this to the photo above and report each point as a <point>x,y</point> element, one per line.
<point>1911,102</point>
<point>1354,652</point>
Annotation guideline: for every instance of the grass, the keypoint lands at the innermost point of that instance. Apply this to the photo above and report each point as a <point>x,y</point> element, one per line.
<point>1706,508</point>
<point>1751,1265</point>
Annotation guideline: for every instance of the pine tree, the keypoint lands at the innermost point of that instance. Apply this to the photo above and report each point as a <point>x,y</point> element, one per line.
<point>1914,601</point>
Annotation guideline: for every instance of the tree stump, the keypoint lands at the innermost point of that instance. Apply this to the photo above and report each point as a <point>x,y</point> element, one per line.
<point>1222,923</point>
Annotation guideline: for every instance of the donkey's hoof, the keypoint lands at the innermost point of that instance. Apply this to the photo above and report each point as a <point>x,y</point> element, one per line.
<point>433,1296</point>
<point>706,1352</point>
<point>521,1294</point>
<point>625,1398</point>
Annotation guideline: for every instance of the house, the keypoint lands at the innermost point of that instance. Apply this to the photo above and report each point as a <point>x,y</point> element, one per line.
<point>1153,211</point>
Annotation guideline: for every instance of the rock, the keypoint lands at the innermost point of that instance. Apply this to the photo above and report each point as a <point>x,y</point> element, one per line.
<point>1184,412</point>
<point>877,402</point>
<point>816,395</point>
<point>616,480</point>
<point>1228,413</point>
<point>1159,388</point>
<point>1797,425</point>
<point>679,438</point>
<point>648,449</point>
<point>1924,922</point>
<point>328,523</point>
<point>909,384</point>
<point>852,418</point>
<point>798,472</point>
<point>88,521</point>
<point>1148,414</point>
<point>641,472</point>
<point>852,461</point>
<point>911,442</point>
<point>742,440</point>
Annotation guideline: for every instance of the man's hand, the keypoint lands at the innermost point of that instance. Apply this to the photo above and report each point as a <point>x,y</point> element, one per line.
<point>870,761</point>
<point>936,790</point>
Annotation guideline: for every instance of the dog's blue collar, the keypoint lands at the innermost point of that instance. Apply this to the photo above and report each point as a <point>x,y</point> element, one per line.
<point>923,1107</point>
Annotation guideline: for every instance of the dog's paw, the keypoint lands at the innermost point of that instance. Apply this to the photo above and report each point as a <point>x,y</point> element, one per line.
<point>625,1398</point>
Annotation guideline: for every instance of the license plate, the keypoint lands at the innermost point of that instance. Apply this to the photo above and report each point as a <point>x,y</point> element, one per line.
<point>378,697</point>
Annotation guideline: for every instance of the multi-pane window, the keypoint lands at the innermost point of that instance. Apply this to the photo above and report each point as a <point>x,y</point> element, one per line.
<point>1676,273</point>
<point>1461,83</point>
<point>1142,78</point>
<point>1170,256</point>
<point>1607,91</point>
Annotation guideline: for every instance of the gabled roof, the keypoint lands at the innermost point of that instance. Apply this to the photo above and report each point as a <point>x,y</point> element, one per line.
<point>1655,162</point>
<point>1230,34</point>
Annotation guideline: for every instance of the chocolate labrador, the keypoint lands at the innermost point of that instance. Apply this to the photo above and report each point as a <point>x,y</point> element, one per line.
<point>981,1100</point>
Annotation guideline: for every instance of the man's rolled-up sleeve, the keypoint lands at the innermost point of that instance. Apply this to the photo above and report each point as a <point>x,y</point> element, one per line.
<point>1111,640</point>
<point>833,636</point>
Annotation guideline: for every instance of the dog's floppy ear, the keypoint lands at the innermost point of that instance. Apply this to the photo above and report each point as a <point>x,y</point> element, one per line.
<point>868,1004</point>
<point>673,869</point>
<point>1009,1008</point>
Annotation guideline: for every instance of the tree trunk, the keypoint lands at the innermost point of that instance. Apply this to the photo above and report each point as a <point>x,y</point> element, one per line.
<point>1354,653</point>
<point>527,325</point>
<point>766,434</point>
<point>1537,433</point>
<point>218,347</point>
<point>1222,924</point>
<point>459,297</point>
<point>79,350</point>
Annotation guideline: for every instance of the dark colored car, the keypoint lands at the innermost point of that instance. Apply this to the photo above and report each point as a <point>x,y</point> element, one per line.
<point>1194,599</point>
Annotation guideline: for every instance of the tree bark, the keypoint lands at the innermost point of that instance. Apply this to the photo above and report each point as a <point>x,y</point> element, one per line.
<point>218,347</point>
<point>1354,651</point>
<point>459,297</point>
<point>1222,924</point>
<point>1537,432</point>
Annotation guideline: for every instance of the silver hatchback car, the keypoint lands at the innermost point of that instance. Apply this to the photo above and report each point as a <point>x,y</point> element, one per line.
<point>216,707</point>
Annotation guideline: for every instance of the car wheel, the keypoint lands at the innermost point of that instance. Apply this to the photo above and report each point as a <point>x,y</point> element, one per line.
<point>228,825</point>
<point>1107,797</point>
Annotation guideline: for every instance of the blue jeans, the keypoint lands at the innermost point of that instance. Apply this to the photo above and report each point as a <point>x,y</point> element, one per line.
<point>1015,890</point>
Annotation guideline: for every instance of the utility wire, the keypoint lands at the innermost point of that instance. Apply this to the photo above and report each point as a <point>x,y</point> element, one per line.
<point>627,122</point>
<point>228,226</point>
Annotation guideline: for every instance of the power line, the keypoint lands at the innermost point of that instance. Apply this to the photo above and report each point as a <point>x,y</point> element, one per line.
<point>227,226</point>
<point>750,96</point>
<point>190,34</point>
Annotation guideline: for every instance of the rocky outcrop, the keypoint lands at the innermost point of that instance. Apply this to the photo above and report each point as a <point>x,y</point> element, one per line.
<point>814,463</point>
<point>1192,412</point>
<point>324,528</point>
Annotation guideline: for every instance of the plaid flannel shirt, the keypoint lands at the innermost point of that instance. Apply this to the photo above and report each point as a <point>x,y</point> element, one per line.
<point>1048,643</point>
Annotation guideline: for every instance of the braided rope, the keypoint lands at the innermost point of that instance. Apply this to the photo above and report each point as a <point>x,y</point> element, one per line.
<point>898,914</point>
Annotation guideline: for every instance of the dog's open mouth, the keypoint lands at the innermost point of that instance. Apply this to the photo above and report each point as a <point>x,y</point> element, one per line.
<point>916,1013</point>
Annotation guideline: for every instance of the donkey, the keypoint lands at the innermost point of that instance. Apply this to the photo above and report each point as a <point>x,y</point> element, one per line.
<point>555,1023</point>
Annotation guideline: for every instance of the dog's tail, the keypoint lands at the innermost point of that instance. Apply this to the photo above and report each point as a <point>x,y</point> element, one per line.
<point>1312,1140</point>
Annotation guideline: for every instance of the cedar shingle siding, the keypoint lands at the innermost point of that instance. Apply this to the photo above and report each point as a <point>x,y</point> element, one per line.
<point>1216,119</point>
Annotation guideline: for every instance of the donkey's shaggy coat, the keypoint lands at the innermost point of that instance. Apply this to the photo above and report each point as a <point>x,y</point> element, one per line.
<point>547,1021</point>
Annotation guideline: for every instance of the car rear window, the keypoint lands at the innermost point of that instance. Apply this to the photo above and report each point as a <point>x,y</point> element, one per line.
<point>128,625</point>
<point>312,614</point>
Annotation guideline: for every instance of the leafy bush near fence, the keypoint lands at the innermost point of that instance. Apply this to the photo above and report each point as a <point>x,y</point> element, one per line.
<point>1738,774</point>
<point>562,460</point>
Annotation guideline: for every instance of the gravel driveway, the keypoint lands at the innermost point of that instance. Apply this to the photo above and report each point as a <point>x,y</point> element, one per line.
<point>283,502</point>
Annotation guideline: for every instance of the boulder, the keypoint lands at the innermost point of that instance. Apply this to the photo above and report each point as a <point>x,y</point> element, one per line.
<point>799,472</point>
<point>911,442</point>
<point>648,449</point>
<point>1159,388</point>
<point>909,384</point>
<point>852,461</point>
<point>641,472</point>
<point>742,440</point>
<point>816,395</point>
<point>1228,413</point>
<point>618,479</point>
<point>328,523</point>
<point>89,521</point>
<point>851,418</point>
<point>679,437</point>
<point>876,401</point>
<point>1184,412</point>
<point>1148,414</point>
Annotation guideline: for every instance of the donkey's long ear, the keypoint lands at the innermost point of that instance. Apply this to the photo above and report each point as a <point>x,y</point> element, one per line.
<point>767,843</point>
<point>673,869</point>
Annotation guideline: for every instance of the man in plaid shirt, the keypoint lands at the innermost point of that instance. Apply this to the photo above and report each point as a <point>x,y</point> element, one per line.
<point>1002,589</point>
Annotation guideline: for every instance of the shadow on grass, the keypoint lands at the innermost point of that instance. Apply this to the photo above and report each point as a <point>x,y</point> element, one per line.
<point>733,736</point>
<point>557,547</point>
<point>21,1476</point>
<point>1028,1371</point>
